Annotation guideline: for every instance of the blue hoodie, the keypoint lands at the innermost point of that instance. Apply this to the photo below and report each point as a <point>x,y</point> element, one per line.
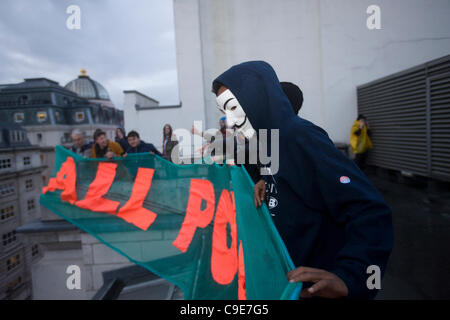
<point>326,210</point>
<point>144,147</point>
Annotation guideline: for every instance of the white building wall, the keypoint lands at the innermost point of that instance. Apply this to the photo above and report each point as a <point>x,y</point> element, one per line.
<point>189,61</point>
<point>149,123</point>
<point>412,32</point>
<point>283,33</point>
<point>322,45</point>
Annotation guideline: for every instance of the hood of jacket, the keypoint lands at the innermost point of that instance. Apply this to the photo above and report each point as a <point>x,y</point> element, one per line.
<point>258,90</point>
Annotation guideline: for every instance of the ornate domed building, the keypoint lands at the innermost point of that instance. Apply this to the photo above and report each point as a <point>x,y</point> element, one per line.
<point>49,112</point>
<point>90,89</point>
<point>103,110</point>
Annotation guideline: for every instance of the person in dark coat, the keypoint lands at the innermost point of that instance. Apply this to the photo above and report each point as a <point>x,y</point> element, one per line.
<point>295,96</point>
<point>333,221</point>
<point>169,142</point>
<point>139,146</point>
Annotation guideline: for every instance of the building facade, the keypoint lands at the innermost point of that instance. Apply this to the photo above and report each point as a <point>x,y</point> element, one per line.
<point>38,245</point>
<point>146,116</point>
<point>20,185</point>
<point>49,113</point>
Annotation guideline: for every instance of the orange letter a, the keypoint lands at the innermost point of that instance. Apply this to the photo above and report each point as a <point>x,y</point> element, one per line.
<point>65,180</point>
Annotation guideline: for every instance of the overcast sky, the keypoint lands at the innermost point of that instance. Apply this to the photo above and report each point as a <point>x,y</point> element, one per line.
<point>123,44</point>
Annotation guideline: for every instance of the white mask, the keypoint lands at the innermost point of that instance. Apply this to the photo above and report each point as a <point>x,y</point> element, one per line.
<point>236,117</point>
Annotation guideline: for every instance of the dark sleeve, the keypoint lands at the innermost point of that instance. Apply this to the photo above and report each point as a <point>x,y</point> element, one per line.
<point>154,150</point>
<point>253,172</point>
<point>357,132</point>
<point>356,204</point>
<point>125,144</point>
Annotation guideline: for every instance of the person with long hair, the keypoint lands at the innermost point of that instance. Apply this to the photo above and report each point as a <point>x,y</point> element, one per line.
<point>121,138</point>
<point>169,142</point>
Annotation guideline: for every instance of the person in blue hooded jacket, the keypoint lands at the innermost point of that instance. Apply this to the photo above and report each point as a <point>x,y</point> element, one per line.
<point>139,146</point>
<point>333,221</point>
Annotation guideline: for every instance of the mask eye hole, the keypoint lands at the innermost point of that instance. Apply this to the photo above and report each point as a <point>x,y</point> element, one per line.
<point>233,108</point>
<point>220,109</point>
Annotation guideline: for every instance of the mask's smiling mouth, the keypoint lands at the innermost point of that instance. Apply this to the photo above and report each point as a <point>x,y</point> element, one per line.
<point>238,126</point>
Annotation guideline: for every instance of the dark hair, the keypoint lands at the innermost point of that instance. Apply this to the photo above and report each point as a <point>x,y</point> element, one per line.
<point>98,133</point>
<point>121,130</point>
<point>133,134</point>
<point>170,128</point>
<point>361,116</point>
<point>216,86</point>
<point>294,94</point>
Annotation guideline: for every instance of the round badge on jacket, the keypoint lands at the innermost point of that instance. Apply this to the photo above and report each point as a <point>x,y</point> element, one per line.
<point>344,179</point>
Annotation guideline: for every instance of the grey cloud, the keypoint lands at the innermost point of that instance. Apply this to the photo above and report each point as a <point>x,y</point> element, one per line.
<point>122,44</point>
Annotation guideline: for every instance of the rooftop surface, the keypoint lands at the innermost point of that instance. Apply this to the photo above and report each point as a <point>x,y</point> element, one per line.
<point>420,262</point>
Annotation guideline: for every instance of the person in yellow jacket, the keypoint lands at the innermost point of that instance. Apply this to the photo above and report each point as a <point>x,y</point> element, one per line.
<point>103,148</point>
<point>360,140</point>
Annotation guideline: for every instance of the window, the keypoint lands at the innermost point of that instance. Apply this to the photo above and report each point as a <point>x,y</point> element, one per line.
<point>79,116</point>
<point>9,238</point>
<point>66,138</point>
<point>39,137</point>
<point>6,212</point>
<point>67,102</point>
<point>26,161</point>
<point>17,136</point>
<point>41,116</point>
<point>13,262</point>
<point>29,184</point>
<point>6,189</point>
<point>34,250</point>
<point>15,283</point>
<point>19,117</point>
<point>30,204</point>
<point>5,164</point>
<point>23,100</point>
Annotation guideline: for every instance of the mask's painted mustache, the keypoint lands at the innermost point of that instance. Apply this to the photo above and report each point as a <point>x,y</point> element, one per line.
<point>236,126</point>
